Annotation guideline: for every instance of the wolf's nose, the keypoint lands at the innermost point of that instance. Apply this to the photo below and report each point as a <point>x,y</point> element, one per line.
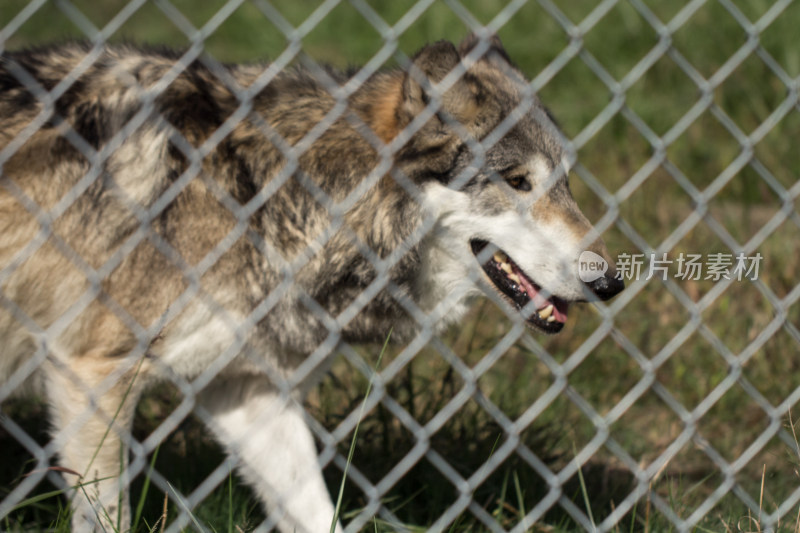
<point>606,286</point>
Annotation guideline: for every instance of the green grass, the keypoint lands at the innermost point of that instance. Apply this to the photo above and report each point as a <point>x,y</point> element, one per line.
<point>608,372</point>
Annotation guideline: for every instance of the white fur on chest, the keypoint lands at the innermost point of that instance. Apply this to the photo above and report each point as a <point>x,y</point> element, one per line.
<point>445,287</point>
<point>197,339</point>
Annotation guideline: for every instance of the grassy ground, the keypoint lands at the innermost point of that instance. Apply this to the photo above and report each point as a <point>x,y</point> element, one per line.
<point>650,313</point>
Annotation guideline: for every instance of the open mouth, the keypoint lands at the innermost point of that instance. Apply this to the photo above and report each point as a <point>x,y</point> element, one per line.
<point>547,314</point>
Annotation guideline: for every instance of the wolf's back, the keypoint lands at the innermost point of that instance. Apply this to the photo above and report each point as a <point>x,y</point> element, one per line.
<point>85,155</point>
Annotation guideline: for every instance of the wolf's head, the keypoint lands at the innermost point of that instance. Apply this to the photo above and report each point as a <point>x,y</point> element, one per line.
<point>492,169</point>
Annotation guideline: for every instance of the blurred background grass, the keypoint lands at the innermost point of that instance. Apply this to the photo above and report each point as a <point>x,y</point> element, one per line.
<point>607,371</point>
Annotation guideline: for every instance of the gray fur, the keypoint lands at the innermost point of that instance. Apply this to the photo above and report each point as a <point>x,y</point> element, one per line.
<point>141,300</point>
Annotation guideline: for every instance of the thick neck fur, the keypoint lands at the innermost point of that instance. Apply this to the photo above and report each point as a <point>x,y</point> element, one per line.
<point>340,171</point>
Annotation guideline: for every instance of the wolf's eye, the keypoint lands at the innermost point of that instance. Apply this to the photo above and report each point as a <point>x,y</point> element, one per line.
<point>519,183</point>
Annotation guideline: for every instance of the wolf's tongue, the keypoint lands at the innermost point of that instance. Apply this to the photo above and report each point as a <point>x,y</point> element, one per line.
<point>560,310</point>
<point>559,306</point>
<point>533,294</point>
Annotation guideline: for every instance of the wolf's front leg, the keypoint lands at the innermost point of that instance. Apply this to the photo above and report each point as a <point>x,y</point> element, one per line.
<point>276,451</point>
<point>87,427</point>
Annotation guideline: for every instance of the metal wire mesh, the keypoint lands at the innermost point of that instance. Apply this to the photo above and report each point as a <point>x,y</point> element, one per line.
<point>561,367</point>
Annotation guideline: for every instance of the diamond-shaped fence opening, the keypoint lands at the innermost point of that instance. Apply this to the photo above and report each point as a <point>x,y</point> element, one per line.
<point>225,282</point>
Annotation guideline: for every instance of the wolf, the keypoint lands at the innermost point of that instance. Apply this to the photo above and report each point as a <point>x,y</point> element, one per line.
<point>226,227</point>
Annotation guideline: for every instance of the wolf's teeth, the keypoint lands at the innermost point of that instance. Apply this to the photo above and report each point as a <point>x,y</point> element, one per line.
<point>506,268</point>
<point>514,278</point>
<point>499,257</point>
<point>546,312</point>
<point>551,319</point>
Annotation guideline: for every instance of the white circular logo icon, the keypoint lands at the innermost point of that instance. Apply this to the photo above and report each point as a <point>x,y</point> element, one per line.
<point>591,266</point>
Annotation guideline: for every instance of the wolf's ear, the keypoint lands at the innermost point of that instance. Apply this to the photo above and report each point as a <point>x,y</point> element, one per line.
<point>496,49</point>
<point>433,63</point>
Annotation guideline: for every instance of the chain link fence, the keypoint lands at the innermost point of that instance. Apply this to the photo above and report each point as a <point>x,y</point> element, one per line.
<point>670,407</point>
